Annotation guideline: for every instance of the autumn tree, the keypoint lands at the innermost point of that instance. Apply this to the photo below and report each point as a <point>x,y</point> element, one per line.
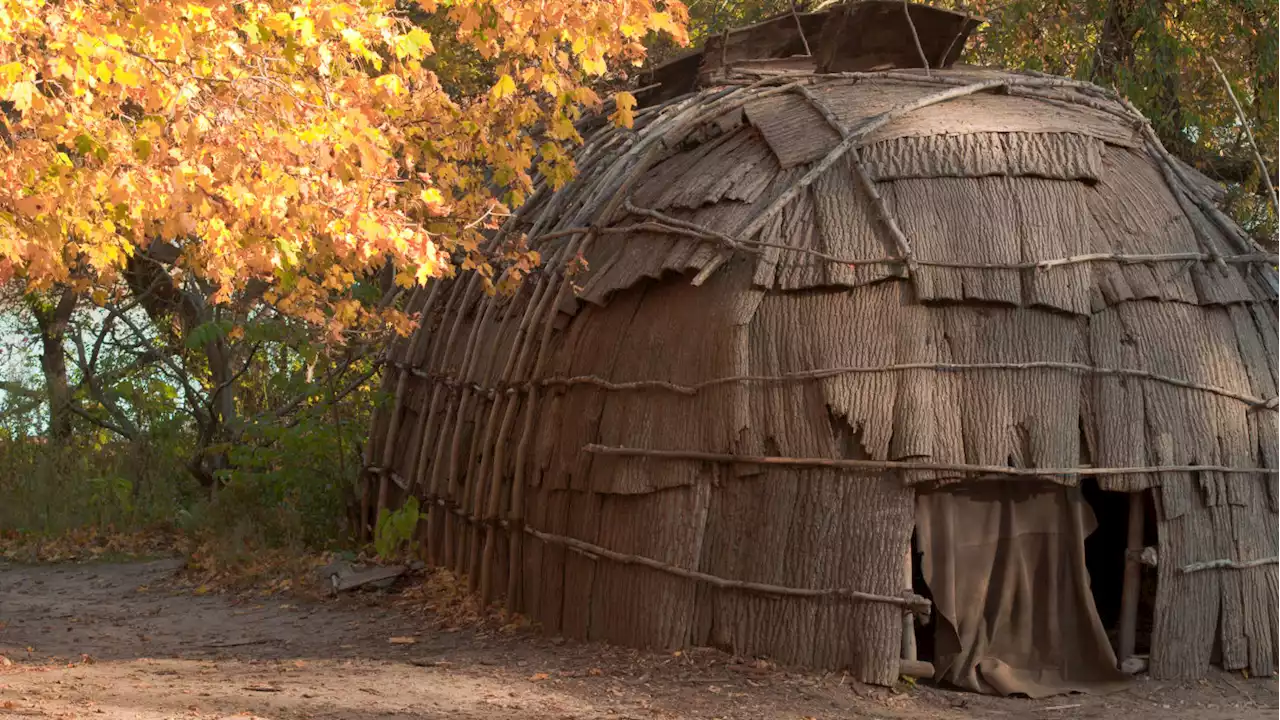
<point>216,165</point>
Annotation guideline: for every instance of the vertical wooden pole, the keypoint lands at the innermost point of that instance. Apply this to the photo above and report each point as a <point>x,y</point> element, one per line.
<point>908,619</point>
<point>493,463</point>
<point>1132,578</point>
<point>516,512</point>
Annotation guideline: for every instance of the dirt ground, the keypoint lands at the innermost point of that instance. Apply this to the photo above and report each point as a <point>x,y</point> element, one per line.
<point>117,641</point>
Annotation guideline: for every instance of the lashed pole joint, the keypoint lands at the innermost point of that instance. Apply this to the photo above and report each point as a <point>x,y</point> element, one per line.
<point>851,140</point>
<point>864,179</point>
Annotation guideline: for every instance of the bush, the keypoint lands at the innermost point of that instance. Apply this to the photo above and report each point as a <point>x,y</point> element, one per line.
<point>88,481</point>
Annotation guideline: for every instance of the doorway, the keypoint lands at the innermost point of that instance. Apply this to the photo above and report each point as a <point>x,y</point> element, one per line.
<point>1105,549</point>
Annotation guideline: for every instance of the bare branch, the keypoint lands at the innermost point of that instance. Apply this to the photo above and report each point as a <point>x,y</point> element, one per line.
<point>21,391</point>
<point>906,11</point>
<point>99,393</point>
<point>1244,122</point>
<point>179,373</point>
<point>126,433</point>
<point>328,379</point>
<point>213,396</point>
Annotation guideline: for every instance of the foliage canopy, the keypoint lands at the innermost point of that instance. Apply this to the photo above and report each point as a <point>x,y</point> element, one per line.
<point>299,145</point>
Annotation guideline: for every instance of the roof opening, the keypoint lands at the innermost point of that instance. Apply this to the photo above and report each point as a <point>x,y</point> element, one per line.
<point>857,36</point>
<point>882,34</point>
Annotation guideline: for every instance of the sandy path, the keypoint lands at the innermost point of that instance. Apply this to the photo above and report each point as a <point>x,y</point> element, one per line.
<point>157,652</point>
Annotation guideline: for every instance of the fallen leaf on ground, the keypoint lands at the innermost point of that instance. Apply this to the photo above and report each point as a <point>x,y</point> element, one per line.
<point>405,640</point>
<point>539,676</point>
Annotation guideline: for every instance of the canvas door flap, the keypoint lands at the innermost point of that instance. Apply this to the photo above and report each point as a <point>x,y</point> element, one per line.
<point>1005,563</point>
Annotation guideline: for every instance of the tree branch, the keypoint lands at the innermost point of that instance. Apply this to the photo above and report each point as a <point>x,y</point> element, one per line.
<point>1244,122</point>
<point>125,433</point>
<point>213,396</point>
<point>18,389</point>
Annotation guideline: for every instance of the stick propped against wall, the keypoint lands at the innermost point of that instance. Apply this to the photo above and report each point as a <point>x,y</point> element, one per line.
<point>908,619</point>
<point>1132,579</point>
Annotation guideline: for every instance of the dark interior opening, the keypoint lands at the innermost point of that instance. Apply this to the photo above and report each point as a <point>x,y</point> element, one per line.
<point>1104,552</point>
<point>924,632</point>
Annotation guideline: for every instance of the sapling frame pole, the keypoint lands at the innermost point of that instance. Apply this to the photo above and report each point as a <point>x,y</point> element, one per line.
<point>850,141</point>
<point>397,416</point>
<point>1132,578</point>
<point>908,620</point>
<point>517,364</point>
<point>860,171</point>
<point>488,483</point>
<point>872,465</point>
<point>1244,123</point>
<point>442,432</point>
<point>516,505</point>
<point>913,603</point>
<point>486,477</point>
<point>915,668</point>
<point>430,430</point>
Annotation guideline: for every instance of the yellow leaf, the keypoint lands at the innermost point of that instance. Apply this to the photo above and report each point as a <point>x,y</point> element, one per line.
<point>126,77</point>
<point>504,87</point>
<point>624,116</point>
<point>102,72</point>
<point>414,44</point>
<point>662,21</point>
<point>306,31</point>
<point>21,95</point>
<point>10,72</point>
<point>391,83</point>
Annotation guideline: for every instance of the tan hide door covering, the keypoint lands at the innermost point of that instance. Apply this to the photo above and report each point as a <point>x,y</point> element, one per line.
<point>1013,611</point>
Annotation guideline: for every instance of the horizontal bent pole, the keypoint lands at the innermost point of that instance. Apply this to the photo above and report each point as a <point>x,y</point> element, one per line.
<point>911,465</point>
<point>851,141</point>
<point>1229,564</point>
<point>912,602</point>
<point>915,668</point>
<point>824,373</point>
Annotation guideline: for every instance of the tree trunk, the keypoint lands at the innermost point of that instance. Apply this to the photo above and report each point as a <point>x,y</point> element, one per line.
<point>180,312</point>
<point>1128,23</point>
<point>52,321</point>
<point>1115,43</point>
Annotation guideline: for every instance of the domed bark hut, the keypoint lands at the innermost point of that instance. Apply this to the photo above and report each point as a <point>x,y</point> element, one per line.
<point>806,316</point>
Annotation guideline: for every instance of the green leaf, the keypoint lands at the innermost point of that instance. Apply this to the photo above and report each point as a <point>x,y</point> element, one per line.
<point>142,148</point>
<point>206,333</point>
